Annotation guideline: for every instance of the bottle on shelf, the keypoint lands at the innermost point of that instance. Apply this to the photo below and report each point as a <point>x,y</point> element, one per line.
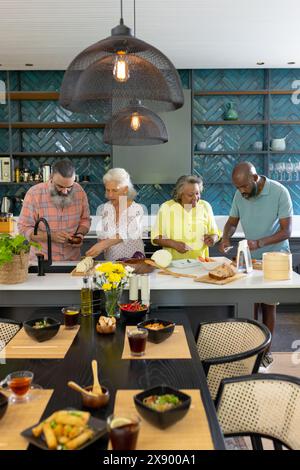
<point>17,175</point>
<point>86,297</point>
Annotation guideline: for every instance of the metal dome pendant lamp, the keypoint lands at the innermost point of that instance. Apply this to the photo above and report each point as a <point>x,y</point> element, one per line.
<point>120,69</point>
<point>135,125</point>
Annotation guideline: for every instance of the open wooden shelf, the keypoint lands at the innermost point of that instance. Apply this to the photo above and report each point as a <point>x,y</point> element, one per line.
<point>52,125</point>
<point>229,123</point>
<point>229,152</point>
<point>60,154</point>
<point>243,92</point>
<point>33,95</point>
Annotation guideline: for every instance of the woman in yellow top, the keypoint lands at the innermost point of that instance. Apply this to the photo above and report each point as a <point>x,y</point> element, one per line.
<point>185,225</point>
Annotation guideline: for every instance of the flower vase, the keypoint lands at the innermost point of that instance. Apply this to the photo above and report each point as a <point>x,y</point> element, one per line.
<point>112,300</point>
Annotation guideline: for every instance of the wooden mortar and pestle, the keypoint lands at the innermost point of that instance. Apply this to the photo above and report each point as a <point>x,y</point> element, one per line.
<point>93,396</point>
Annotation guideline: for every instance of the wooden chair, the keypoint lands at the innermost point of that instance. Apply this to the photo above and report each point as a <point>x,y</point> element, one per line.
<point>261,405</point>
<point>8,329</point>
<point>231,348</point>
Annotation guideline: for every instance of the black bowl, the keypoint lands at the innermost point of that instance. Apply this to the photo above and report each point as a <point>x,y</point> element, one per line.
<point>3,404</point>
<point>132,316</point>
<point>162,419</point>
<point>42,334</point>
<point>157,336</point>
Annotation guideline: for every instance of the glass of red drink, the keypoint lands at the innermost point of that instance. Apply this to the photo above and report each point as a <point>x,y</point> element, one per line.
<point>71,316</point>
<point>19,383</point>
<point>137,338</point>
<point>123,431</point>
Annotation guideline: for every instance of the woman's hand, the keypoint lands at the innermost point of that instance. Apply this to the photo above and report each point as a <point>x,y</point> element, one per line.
<point>181,247</point>
<point>210,240</point>
<point>95,250</point>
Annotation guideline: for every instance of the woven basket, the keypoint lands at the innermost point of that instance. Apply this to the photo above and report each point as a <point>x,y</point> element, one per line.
<point>15,271</point>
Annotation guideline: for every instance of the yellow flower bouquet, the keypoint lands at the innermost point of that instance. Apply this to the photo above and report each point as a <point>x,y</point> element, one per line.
<point>111,278</point>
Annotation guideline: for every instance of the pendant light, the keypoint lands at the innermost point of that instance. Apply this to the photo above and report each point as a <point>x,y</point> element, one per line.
<point>135,125</point>
<point>111,73</point>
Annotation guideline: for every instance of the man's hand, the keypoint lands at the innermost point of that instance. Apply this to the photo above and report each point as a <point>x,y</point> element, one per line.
<point>224,245</point>
<point>253,245</point>
<point>74,240</point>
<point>181,247</point>
<point>210,240</point>
<point>60,237</point>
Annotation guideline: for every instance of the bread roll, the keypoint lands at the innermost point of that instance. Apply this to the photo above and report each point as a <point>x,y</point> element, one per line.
<point>222,272</point>
<point>85,265</point>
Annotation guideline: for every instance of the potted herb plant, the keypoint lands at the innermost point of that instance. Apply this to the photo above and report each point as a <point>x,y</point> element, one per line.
<point>14,257</point>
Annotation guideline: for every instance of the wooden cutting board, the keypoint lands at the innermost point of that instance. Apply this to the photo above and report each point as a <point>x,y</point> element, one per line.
<point>210,280</point>
<point>90,272</point>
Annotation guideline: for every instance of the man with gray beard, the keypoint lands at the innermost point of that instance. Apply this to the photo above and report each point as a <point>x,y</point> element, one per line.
<point>64,204</point>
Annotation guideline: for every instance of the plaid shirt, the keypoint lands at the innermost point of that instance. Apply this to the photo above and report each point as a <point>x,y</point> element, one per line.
<point>38,203</point>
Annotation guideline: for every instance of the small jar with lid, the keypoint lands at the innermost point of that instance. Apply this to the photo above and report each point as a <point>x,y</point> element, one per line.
<point>26,175</point>
<point>6,222</point>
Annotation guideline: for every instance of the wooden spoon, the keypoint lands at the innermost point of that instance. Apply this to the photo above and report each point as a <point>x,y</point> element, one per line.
<point>168,271</point>
<point>77,387</point>
<point>96,386</point>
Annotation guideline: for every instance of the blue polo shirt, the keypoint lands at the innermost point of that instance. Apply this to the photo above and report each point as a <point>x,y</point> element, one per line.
<point>260,215</point>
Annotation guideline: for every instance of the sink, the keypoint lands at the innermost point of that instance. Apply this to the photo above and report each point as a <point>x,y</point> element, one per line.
<point>52,269</point>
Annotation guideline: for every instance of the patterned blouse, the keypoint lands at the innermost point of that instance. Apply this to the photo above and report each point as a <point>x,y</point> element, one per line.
<point>129,227</point>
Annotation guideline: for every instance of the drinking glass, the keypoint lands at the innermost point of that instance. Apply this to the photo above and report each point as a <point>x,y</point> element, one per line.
<point>297,170</point>
<point>137,338</point>
<point>71,316</point>
<point>271,170</point>
<point>19,383</point>
<point>280,169</point>
<point>123,431</point>
<point>289,168</point>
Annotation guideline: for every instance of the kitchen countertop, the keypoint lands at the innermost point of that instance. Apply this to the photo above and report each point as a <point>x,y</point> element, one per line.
<point>63,282</point>
<point>166,291</point>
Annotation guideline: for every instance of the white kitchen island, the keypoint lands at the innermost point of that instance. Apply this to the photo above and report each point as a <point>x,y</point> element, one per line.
<point>63,289</point>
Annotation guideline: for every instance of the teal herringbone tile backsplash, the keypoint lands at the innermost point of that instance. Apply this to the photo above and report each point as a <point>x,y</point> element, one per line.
<point>215,169</point>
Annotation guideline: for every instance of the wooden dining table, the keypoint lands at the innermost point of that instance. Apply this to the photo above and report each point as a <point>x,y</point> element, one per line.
<point>114,373</point>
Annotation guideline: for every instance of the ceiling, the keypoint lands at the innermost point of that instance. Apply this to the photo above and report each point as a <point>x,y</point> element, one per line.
<point>192,33</point>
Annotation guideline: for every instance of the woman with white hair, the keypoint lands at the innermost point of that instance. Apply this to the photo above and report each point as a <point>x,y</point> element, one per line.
<point>120,225</point>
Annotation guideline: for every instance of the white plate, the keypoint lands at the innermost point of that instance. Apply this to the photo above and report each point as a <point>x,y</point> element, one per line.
<point>214,264</point>
<point>185,263</point>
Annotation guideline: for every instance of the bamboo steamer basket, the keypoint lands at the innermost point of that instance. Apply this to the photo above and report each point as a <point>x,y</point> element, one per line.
<point>16,271</point>
<point>277,266</point>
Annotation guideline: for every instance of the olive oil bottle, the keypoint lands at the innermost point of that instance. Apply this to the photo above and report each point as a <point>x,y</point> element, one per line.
<point>86,296</point>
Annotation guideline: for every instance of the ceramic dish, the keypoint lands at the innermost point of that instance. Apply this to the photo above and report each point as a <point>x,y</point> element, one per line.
<point>185,263</point>
<point>97,425</point>
<point>41,334</point>
<point>157,336</point>
<point>214,264</point>
<point>162,419</point>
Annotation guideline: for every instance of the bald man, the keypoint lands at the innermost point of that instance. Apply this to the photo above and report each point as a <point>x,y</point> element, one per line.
<point>265,210</point>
